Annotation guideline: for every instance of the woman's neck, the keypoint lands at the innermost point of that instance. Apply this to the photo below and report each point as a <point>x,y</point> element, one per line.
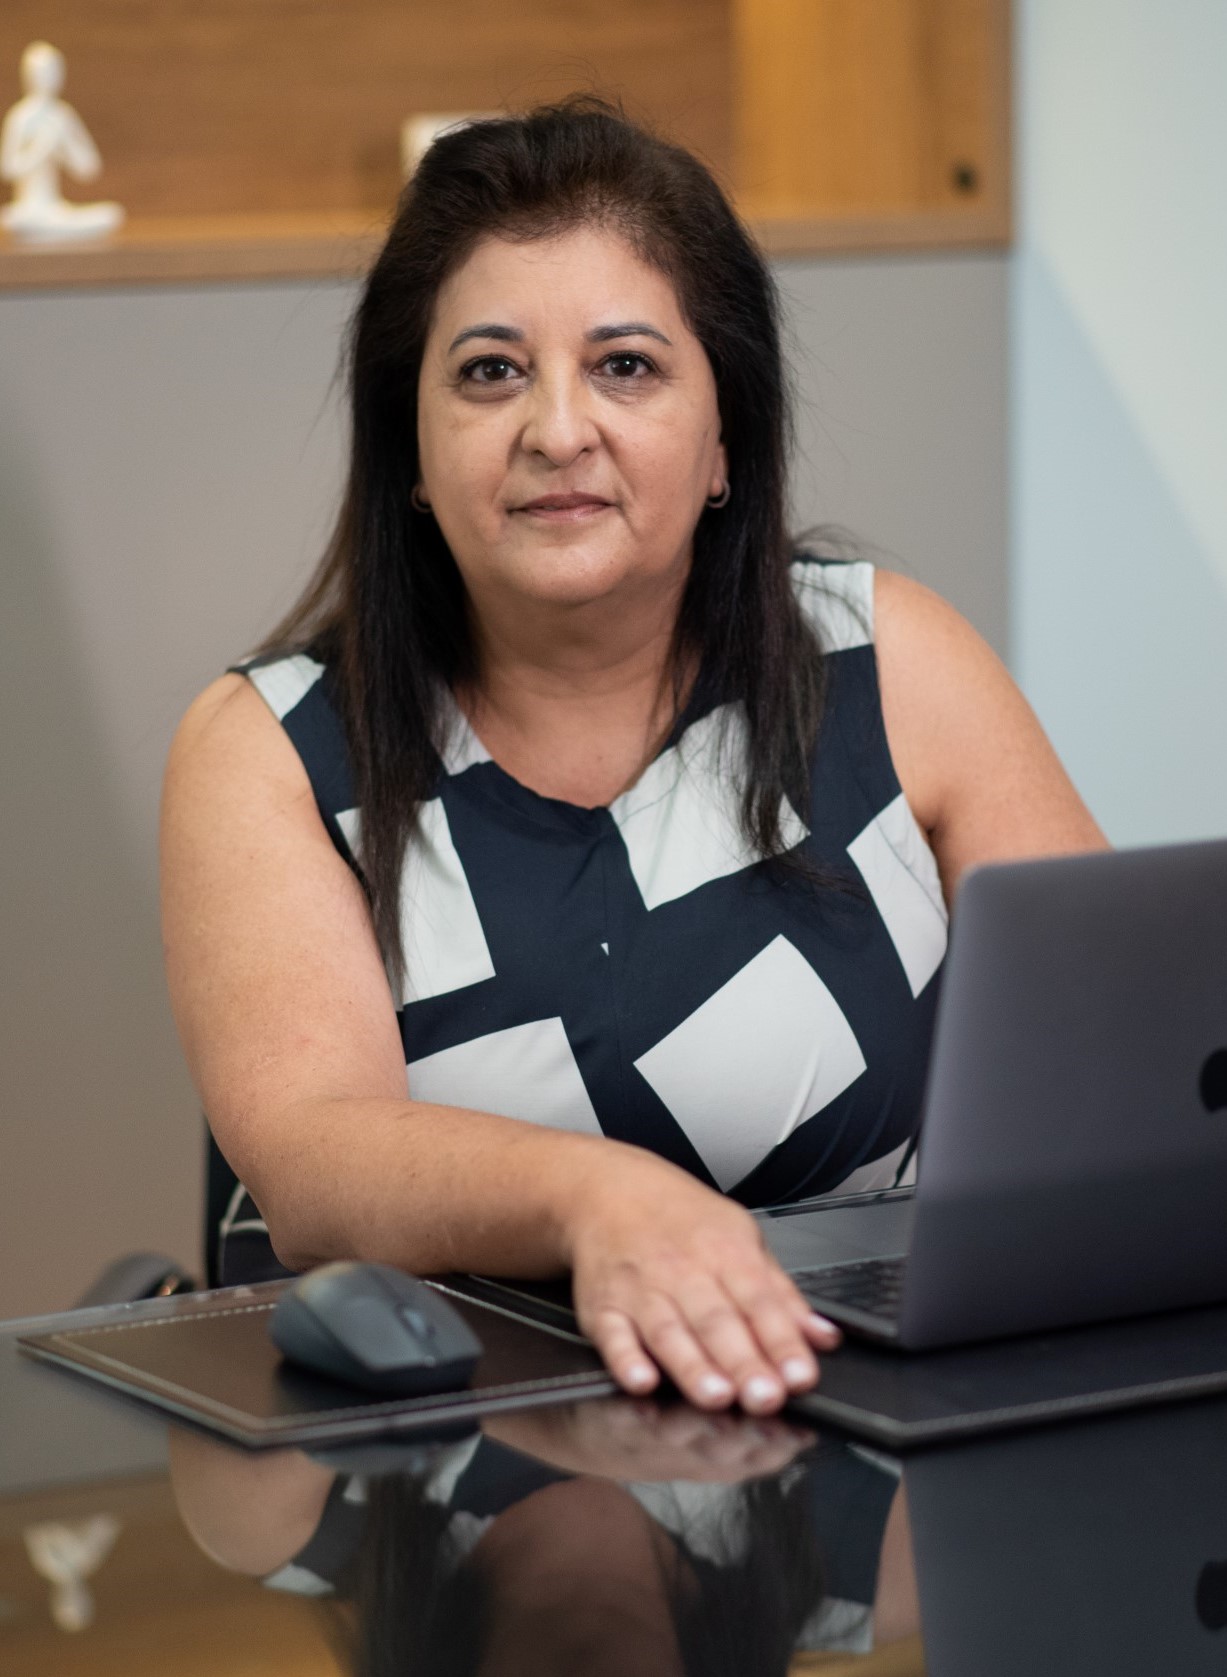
<point>574,716</point>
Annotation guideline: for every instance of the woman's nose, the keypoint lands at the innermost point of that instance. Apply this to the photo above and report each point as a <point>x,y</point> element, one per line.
<point>560,425</point>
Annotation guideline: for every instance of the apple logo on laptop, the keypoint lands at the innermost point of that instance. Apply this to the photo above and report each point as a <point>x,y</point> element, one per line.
<point>1214,1081</point>
<point>1212,1595</point>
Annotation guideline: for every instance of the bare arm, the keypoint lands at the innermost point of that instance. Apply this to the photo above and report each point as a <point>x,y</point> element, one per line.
<point>249,1510</point>
<point>289,1027</point>
<point>290,1030</point>
<point>977,768</point>
<point>896,1605</point>
<point>288,1024</point>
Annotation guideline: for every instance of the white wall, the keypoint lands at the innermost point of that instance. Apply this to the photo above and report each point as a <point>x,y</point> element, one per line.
<point>1119,404</point>
<point>168,464</point>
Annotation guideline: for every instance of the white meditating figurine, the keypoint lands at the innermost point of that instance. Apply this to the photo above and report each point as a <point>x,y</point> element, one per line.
<point>42,134</point>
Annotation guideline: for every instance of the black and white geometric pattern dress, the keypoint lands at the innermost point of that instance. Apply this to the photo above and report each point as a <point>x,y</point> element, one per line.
<point>848,1489</point>
<point>633,971</point>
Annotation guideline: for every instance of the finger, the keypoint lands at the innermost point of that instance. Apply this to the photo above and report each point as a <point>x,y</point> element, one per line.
<point>760,1446</point>
<point>769,1305</point>
<point>781,1429</point>
<point>687,1428</point>
<point>819,1329</point>
<point>734,1453</point>
<point>825,1333</point>
<point>673,1343</point>
<point>613,1333</point>
<point>771,1459</point>
<point>719,1324</point>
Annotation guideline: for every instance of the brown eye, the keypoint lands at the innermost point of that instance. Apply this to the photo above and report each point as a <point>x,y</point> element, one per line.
<point>489,369</point>
<point>627,364</point>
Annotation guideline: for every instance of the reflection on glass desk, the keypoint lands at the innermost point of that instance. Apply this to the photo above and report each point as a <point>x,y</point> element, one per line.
<point>601,1537</point>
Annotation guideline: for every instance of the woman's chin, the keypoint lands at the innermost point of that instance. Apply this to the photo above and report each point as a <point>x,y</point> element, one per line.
<point>575,577</point>
<point>578,572</point>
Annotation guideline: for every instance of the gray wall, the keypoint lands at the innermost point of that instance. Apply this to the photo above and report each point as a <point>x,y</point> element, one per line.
<point>901,373</point>
<point>168,465</point>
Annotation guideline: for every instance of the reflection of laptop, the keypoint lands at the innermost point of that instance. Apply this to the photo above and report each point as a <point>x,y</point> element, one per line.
<point>1073,1161</point>
<point>1097,1548</point>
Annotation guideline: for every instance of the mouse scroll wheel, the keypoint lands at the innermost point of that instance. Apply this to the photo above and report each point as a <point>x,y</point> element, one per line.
<point>416,1322</point>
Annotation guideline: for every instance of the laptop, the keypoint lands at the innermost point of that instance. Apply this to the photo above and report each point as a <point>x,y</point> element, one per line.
<point>1088,1548</point>
<point>1073,1155</point>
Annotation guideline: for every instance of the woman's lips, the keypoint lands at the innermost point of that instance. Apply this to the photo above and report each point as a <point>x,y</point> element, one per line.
<point>564,509</point>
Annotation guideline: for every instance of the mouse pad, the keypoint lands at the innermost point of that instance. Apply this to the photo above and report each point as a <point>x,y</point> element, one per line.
<point>907,1398</point>
<point>208,1357</point>
<point>903,1399</point>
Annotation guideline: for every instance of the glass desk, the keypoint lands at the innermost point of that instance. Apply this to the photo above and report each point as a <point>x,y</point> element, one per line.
<point>613,1536</point>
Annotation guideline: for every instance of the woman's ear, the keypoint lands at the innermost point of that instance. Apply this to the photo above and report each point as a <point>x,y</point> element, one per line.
<point>720,472</point>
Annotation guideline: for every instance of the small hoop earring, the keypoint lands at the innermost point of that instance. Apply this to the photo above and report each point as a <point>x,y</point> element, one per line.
<point>416,499</point>
<point>722,499</point>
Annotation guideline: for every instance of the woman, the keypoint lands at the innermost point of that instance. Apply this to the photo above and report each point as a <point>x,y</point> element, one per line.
<point>602,1537</point>
<point>561,796</point>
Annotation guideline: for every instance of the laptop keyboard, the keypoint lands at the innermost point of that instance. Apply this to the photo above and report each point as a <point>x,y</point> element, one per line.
<point>874,1285</point>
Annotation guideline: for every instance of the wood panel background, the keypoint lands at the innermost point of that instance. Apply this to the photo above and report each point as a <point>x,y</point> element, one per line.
<point>224,107</point>
<point>871,107</point>
<point>260,138</point>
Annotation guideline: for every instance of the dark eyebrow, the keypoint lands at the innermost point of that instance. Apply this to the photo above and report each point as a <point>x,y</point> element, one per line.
<point>502,334</point>
<point>598,335</point>
<point>629,329</point>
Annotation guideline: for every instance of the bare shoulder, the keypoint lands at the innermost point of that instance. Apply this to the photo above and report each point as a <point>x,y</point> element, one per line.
<point>239,816</point>
<point>976,766</point>
<point>253,892</point>
<point>228,735</point>
<point>935,670</point>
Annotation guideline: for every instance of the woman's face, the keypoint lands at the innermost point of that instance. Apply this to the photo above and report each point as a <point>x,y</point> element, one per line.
<point>568,425</point>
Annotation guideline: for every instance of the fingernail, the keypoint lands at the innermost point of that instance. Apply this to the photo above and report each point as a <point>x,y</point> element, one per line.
<point>640,1374</point>
<point>798,1371</point>
<point>714,1386</point>
<point>823,1324</point>
<point>761,1390</point>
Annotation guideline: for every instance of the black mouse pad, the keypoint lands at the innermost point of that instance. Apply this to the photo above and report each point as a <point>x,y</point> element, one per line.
<point>208,1358</point>
<point>908,1398</point>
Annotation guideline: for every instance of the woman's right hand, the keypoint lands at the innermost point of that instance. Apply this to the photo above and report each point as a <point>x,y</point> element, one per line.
<point>643,1440</point>
<point>670,1276</point>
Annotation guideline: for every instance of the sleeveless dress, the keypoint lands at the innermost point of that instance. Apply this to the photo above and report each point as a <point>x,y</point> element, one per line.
<point>633,971</point>
<point>848,1490</point>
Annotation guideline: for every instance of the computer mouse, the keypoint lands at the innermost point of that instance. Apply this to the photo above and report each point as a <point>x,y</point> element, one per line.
<point>376,1327</point>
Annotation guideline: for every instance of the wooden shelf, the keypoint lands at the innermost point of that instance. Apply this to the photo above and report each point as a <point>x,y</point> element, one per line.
<point>189,250</point>
<point>183,250</point>
<point>973,229</point>
<point>846,125</point>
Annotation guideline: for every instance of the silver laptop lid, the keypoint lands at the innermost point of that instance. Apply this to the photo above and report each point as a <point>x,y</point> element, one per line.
<point>1073,1164</point>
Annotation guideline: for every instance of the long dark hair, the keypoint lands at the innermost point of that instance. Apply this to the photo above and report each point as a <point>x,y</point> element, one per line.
<point>387,606</point>
<point>409,1602</point>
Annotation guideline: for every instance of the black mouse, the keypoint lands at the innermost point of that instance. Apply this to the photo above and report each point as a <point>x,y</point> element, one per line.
<point>374,1326</point>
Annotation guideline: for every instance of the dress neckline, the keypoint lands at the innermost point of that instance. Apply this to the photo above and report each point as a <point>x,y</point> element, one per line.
<point>464,749</point>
